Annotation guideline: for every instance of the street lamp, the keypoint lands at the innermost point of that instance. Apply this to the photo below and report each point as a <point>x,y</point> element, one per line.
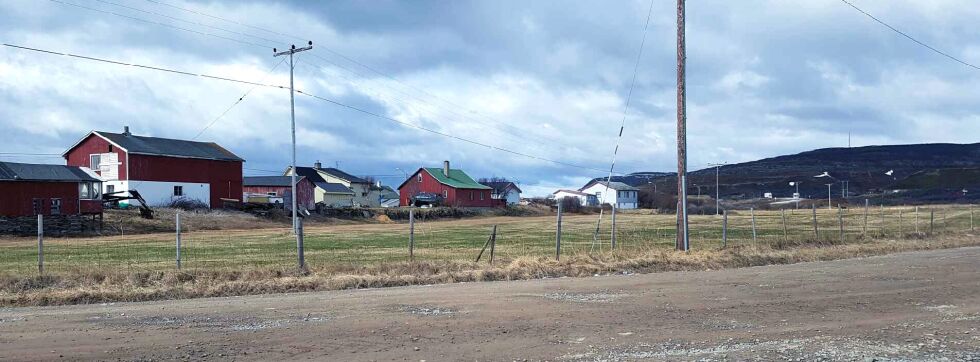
<point>827,174</point>
<point>717,190</point>
<point>797,194</point>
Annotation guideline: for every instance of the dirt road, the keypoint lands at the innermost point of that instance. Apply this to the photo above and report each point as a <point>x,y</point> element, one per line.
<point>923,305</point>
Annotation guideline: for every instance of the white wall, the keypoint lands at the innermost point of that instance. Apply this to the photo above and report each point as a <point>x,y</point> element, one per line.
<point>513,197</point>
<point>612,196</point>
<point>561,195</point>
<point>162,193</point>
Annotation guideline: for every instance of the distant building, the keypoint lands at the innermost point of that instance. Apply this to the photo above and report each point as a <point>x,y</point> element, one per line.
<point>35,189</point>
<point>583,198</point>
<point>276,189</point>
<point>161,169</point>
<point>453,186</point>
<point>506,191</point>
<point>336,188</point>
<point>613,193</point>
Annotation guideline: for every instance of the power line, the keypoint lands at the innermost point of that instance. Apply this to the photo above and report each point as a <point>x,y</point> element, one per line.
<point>937,51</point>
<point>490,126</point>
<point>187,21</point>
<point>240,99</point>
<point>309,95</point>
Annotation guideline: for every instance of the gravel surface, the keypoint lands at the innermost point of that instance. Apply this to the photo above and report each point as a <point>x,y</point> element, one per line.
<point>909,306</point>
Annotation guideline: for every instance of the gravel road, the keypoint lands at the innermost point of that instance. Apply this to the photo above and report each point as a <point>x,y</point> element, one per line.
<point>909,306</point>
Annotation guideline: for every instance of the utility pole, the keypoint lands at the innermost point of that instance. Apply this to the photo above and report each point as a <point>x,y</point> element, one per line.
<point>292,114</point>
<point>828,197</point>
<point>681,242</point>
<point>717,190</point>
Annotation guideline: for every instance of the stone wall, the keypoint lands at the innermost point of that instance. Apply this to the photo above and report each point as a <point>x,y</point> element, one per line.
<point>62,225</point>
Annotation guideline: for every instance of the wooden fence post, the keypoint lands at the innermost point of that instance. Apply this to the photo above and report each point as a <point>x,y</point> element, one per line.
<point>881,217</point>
<point>40,244</point>
<point>816,231</point>
<point>917,220</point>
<point>840,222</point>
<point>865,218</point>
<point>411,234</point>
<point>493,243</point>
<point>724,229</point>
<point>752,212</point>
<point>785,233</point>
<point>901,224</point>
<point>300,244</point>
<point>971,218</point>
<point>177,226</point>
<point>944,220</point>
<point>932,221</point>
<point>558,234</point>
<point>613,232</point>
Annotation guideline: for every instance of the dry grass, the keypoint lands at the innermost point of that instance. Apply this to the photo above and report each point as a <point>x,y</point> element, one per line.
<point>94,286</point>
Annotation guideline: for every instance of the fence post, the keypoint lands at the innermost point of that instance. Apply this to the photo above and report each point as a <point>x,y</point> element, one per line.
<point>916,220</point>
<point>971,218</point>
<point>300,249</point>
<point>816,231</point>
<point>177,222</point>
<point>785,233</point>
<point>932,221</point>
<point>613,232</point>
<point>724,229</point>
<point>411,234</point>
<point>558,234</point>
<point>944,220</point>
<point>40,244</point>
<point>493,243</point>
<point>752,212</point>
<point>901,224</point>
<point>865,217</point>
<point>881,223</point>
<point>840,222</point>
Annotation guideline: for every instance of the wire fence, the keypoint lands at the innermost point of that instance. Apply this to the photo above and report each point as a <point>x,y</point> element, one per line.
<point>462,240</point>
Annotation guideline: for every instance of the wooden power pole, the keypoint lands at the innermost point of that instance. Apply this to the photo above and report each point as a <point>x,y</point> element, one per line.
<point>682,238</point>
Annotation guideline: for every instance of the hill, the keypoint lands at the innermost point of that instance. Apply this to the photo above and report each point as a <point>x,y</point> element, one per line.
<point>938,171</point>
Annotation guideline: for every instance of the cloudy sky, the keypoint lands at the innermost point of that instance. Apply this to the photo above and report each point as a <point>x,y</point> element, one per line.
<point>544,78</point>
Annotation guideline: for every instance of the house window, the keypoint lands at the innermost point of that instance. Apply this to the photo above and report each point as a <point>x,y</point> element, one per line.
<point>272,193</point>
<point>89,190</point>
<point>420,177</point>
<point>110,189</point>
<point>55,206</point>
<point>94,161</point>
<point>482,195</point>
<point>445,194</point>
<point>178,190</point>
<point>471,195</point>
<point>38,206</point>
<point>95,191</point>
<point>110,148</point>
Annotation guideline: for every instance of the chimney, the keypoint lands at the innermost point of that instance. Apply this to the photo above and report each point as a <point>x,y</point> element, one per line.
<point>445,168</point>
<point>317,165</point>
<point>126,131</point>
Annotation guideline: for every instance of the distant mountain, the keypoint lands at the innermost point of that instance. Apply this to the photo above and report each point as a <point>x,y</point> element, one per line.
<point>922,169</point>
<point>637,179</point>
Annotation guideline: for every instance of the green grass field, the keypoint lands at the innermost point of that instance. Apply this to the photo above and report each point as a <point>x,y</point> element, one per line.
<point>461,240</point>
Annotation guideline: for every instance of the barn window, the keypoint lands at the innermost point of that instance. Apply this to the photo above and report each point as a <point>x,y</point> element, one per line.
<point>110,148</point>
<point>445,194</point>
<point>94,161</point>
<point>420,177</point>
<point>178,190</point>
<point>55,206</point>
<point>471,195</point>
<point>482,195</point>
<point>271,193</point>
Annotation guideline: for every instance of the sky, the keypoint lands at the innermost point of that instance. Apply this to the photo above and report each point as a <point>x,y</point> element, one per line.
<point>528,82</point>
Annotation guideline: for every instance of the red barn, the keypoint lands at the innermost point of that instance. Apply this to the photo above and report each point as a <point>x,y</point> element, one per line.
<point>454,188</point>
<point>277,188</point>
<point>161,169</point>
<point>33,189</point>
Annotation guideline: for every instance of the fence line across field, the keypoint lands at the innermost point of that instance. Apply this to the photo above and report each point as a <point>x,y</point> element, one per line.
<point>462,240</point>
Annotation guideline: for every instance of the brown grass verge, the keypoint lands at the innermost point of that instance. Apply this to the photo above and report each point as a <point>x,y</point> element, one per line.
<point>105,286</point>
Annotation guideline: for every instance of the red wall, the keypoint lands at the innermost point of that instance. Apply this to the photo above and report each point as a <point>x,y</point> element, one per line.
<point>17,198</point>
<point>456,197</point>
<point>304,188</point>
<point>79,156</point>
<point>225,177</point>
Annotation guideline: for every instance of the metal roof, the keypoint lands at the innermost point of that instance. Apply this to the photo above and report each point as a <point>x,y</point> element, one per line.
<point>156,146</point>
<point>333,188</point>
<point>501,186</point>
<point>457,179</point>
<point>618,186</point>
<point>10,171</point>
<point>269,180</point>
<point>343,175</point>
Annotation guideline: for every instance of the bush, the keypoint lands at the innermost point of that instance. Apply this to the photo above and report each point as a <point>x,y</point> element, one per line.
<point>188,204</point>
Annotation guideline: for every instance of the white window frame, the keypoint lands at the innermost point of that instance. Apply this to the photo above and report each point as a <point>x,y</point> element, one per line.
<point>55,206</point>
<point>273,194</point>
<point>180,189</point>
<point>420,177</point>
<point>482,195</point>
<point>445,193</point>
<point>94,161</point>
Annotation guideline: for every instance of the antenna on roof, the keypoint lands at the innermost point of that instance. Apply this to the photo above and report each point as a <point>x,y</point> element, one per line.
<point>126,131</point>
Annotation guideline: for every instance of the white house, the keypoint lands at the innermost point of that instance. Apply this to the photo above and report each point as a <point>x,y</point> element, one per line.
<point>504,190</point>
<point>614,193</point>
<point>584,198</point>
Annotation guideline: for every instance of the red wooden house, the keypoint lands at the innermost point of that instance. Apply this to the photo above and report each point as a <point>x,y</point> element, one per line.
<point>276,188</point>
<point>161,169</point>
<point>34,189</point>
<point>454,188</point>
